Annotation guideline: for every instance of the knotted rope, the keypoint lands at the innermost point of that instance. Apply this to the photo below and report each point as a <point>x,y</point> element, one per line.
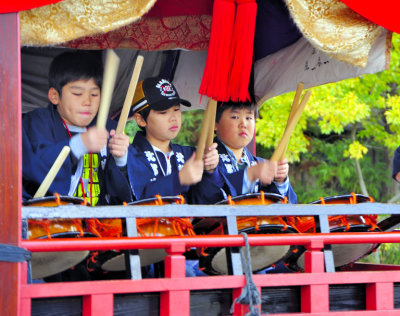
<point>250,294</point>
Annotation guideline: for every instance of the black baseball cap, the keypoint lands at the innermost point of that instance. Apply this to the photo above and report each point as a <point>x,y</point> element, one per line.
<point>157,93</point>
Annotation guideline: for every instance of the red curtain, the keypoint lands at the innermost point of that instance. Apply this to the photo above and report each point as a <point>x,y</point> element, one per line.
<point>21,5</point>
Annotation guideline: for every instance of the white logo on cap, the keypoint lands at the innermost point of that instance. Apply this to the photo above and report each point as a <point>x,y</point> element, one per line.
<point>166,88</point>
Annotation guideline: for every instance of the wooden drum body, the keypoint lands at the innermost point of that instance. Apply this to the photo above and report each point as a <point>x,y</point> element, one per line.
<point>45,264</point>
<point>151,227</point>
<point>213,260</point>
<point>342,254</point>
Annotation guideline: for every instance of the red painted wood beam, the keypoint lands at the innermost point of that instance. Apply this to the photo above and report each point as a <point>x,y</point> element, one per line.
<point>10,153</point>
<point>204,283</point>
<point>99,304</point>
<point>344,313</point>
<point>207,241</point>
<point>314,258</point>
<point>175,302</point>
<point>379,296</point>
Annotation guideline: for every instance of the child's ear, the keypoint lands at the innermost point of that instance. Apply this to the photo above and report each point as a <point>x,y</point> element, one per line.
<point>54,96</point>
<point>139,120</point>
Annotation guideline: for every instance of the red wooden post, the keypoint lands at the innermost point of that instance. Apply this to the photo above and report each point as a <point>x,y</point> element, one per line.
<point>314,298</point>
<point>10,153</point>
<point>175,302</point>
<point>314,257</point>
<point>241,309</point>
<point>98,304</point>
<point>379,296</point>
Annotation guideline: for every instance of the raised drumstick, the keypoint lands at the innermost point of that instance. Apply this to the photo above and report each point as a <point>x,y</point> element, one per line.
<point>48,180</point>
<point>280,149</point>
<point>295,105</point>
<point>205,129</point>
<point>211,126</point>
<point>110,74</point>
<point>212,114</point>
<point>129,95</point>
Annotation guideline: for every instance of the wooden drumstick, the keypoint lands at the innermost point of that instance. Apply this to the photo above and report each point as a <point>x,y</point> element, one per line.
<point>280,149</point>
<point>201,143</point>
<point>129,95</point>
<point>211,126</point>
<point>295,105</point>
<point>48,180</point>
<point>212,114</point>
<point>205,129</point>
<point>110,74</point>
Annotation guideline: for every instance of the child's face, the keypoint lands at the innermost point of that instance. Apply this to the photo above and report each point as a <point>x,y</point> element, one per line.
<point>162,126</point>
<point>236,127</point>
<point>79,102</point>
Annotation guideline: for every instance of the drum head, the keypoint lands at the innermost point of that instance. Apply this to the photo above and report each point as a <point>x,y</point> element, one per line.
<point>342,254</point>
<point>45,264</point>
<point>51,201</point>
<point>261,256</point>
<point>116,260</point>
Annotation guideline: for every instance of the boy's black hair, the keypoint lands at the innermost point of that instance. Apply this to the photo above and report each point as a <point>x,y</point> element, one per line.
<point>75,65</point>
<point>223,106</point>
<point>145,114</point>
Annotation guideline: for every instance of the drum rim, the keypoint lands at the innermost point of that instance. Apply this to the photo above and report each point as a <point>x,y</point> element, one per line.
<point>69,234</point>
<point>152,199</point>
<point>64,198</point>
<point>360,198</point>
<point>278,198</point>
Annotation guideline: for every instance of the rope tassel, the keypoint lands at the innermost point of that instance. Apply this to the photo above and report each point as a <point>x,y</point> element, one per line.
<point>242,46</point>
<point>230,52</point>
<point>250,294</point>
<point>216,72</point>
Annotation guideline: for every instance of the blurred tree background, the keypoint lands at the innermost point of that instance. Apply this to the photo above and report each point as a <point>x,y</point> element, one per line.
<point>344,141</point>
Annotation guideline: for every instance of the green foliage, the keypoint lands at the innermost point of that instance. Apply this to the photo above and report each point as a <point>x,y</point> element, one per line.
<point>385,254</point>
<point>355,119</point>
<point>130,129</point>
<point>190,130</point>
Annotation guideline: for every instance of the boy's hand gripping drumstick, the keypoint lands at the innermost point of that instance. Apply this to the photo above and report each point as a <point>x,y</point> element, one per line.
<point>129,95</point>
<point>281,148</point>
<point>48,180</point>
<point>110,74</point>
<point>207,129</point>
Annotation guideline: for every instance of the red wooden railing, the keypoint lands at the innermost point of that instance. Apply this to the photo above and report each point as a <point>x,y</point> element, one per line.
<point>175,288</point>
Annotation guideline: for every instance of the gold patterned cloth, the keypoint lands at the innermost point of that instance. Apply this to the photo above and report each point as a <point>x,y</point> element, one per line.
<point>333,28</point>
<point>70,19</point>
<point>190,32</point>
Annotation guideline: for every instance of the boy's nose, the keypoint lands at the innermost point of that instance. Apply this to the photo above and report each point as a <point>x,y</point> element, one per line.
<point>243,123</point>
<point>173,117</point>
<point>86,100</point>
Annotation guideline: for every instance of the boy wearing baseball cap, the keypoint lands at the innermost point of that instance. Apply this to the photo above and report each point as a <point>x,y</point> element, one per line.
<point>155,164</point>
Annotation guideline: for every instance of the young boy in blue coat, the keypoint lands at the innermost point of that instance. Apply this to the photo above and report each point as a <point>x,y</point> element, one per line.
<point>156,165</point>
<point>235,127</point>
<point>93,170</point>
